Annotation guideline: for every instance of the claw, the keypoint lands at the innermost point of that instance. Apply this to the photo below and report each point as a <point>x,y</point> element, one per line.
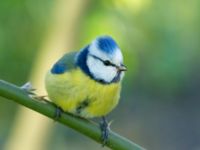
<point>28,88</point>
<point>109,124</point>
<point>105,127</point>
<point>42,98</point>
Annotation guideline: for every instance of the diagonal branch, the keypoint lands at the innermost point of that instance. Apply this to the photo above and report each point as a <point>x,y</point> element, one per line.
<point>90,129</point>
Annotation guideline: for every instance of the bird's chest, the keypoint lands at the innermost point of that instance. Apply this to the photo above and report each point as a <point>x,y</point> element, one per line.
<point>101,100</point>
<point>95,99</point>
<point>79,94</point>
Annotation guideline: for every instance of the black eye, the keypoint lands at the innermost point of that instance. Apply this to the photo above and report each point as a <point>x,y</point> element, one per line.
<point>107,62</point>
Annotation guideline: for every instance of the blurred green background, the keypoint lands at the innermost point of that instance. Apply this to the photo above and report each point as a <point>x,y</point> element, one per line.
<point>159,107</point>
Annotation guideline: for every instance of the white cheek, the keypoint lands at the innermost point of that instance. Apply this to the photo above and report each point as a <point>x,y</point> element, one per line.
<point>99,71</point>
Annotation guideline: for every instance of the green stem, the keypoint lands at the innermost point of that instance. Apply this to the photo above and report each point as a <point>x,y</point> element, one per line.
<point>88,128</point>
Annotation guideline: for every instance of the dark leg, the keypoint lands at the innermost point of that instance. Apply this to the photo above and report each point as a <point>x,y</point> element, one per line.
<point>58,113</point>
<point>104,131</point>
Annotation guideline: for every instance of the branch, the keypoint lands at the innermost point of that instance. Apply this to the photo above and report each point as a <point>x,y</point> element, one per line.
<point>90,129</point>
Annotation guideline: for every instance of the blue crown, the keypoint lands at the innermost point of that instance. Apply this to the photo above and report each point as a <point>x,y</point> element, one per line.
<point>107,44</point>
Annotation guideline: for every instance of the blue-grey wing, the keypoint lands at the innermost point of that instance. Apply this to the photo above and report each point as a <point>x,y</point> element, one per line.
<point>65,63</point>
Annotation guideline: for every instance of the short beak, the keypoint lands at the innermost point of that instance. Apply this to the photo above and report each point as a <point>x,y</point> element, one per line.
<point>122,68</point>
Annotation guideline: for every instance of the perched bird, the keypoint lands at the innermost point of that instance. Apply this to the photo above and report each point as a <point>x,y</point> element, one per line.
<point>87,83</point>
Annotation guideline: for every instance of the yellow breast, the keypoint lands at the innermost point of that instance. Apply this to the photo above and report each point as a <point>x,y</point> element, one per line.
<point>77,93</point>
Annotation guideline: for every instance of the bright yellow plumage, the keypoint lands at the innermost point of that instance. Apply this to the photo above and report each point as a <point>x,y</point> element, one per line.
<point>77,93</point>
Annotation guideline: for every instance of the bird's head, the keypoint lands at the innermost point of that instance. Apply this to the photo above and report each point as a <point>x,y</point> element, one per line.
<point>105,60</point>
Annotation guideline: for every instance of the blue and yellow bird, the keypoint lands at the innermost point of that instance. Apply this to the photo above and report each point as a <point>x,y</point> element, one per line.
<point>87,83</point>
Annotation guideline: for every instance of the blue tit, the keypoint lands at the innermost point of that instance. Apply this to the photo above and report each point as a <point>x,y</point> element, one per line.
<point>87,83</point>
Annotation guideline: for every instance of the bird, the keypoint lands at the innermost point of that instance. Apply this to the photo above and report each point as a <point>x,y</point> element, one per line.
<point>87,83</point>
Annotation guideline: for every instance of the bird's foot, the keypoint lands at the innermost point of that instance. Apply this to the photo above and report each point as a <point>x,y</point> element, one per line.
<point>105,128</point>
<point>58,113</point>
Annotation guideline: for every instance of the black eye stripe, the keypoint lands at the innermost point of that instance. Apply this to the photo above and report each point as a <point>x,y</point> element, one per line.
<point>96,57</point>
<point>105,62</point>
<point>108,63</point>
